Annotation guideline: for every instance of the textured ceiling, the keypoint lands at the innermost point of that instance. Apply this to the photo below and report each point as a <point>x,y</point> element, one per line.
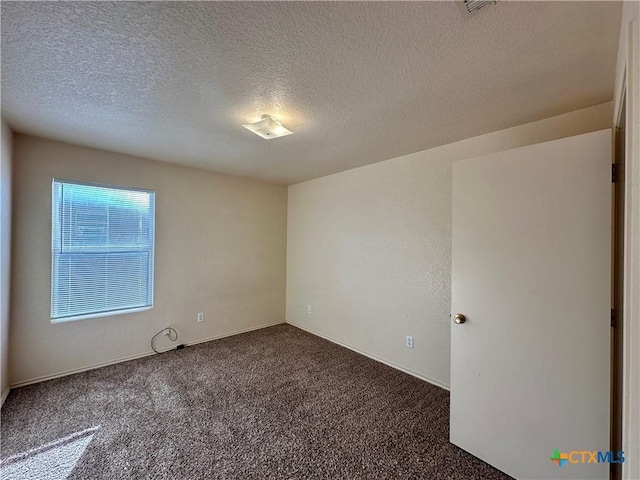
<point>357,82</point>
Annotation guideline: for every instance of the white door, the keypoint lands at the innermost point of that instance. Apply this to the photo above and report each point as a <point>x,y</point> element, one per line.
<point>531,273</point>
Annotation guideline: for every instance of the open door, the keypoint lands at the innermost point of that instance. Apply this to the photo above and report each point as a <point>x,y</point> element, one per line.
<point>531,273</point>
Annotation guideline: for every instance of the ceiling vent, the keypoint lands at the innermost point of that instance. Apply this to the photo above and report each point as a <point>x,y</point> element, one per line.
<point>469,8</point>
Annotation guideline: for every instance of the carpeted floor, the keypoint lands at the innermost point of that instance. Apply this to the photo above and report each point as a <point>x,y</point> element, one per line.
<point>274,403</point>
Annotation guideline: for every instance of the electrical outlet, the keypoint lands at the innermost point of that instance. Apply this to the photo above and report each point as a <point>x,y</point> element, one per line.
<point>200,317</point>
<point>409,341</point>
<point>308,308</point>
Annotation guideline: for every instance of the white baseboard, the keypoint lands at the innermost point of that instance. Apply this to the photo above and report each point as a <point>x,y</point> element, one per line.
<point>4,396</point>
<point>237,332</point>
<point>217,337</point>
<point>373,357</point>
<point>131,357</point>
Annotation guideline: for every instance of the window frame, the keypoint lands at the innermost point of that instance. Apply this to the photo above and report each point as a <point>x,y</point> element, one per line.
<point>56,228</point>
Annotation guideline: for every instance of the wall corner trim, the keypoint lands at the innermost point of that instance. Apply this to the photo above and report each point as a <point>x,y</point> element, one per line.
<point>4,396</point>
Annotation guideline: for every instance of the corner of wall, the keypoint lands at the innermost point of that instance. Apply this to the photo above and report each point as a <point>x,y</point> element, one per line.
<point>5,254</point>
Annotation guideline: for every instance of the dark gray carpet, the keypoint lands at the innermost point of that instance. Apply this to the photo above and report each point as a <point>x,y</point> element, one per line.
<point>274,403</point>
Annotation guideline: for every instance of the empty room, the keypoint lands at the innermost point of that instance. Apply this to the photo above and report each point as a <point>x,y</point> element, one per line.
<point>330,240</point>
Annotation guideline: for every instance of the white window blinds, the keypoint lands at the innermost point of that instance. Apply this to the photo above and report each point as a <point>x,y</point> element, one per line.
<point>102,250</point>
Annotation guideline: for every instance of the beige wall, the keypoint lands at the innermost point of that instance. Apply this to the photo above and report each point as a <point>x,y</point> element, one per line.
<point>5,255</point>
<point>370,249</point>
<point>220,249</point>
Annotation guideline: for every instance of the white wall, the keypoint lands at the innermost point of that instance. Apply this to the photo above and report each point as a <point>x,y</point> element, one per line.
<point>370,249</point>
<point>5,255</point>
<point>220,249</point>
<point>628,72</point>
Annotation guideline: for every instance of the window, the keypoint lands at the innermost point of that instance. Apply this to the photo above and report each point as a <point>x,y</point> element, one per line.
<point>102,250</point>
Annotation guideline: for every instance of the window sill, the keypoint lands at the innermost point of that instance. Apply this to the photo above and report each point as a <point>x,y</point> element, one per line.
<point>101,314</point>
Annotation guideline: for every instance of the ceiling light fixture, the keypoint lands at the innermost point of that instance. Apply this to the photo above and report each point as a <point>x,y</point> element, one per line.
<point>268,128</point>
<point>469,8</point>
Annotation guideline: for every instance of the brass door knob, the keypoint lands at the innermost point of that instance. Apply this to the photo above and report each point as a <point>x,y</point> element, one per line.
<point>459,318</point>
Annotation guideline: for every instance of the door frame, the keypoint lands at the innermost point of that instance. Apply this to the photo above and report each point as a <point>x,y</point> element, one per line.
<point>617,283</point>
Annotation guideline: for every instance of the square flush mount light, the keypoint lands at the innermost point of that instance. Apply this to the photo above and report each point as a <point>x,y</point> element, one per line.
<point>268,128</point>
